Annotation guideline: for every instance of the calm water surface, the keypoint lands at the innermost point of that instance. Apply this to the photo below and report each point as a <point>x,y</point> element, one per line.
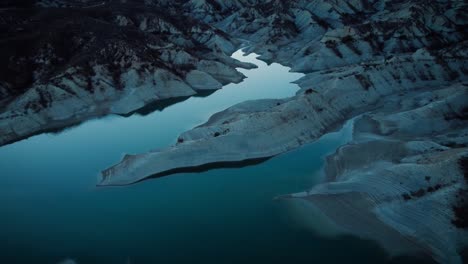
<point>51,209</point>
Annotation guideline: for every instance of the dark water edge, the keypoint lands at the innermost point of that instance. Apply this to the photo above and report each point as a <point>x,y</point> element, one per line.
<point>160,105</point>
<point>156,106</point>
<point>208,167</point>
<point>299,246</point>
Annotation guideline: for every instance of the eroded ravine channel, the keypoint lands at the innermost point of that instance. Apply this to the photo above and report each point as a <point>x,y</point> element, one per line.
<point>52,210</point>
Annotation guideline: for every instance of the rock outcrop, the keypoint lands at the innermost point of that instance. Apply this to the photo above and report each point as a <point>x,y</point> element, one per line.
<point>402,181</point>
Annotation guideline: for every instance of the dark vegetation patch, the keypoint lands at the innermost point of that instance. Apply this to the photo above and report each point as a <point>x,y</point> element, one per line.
<point>406,197</point>
<point>16,65</point>
<point>353,48</point>
<point>419,193</point>
<point>80,38</point>
<point>462,115</point>
<point>44,98</point>
<point>434,188</point>
<point>224,132</point>
<point>310,91</point>
<point>17,3</point>
<point>349,42</point>
<point>215,5</point>
<point>364,81</point>
<point>463,163</point>
<point>350,19</point>
<point>452,144</point>
<point>288,28</point>
<point>321,22</point>
<point>347,39</point>
<point>460,209</point>
<point>332,44</point>
<point>441,60</point>
<point>375,42</point>
<point>88,72</point>
<point>464,255</point>
<point>116,73</point>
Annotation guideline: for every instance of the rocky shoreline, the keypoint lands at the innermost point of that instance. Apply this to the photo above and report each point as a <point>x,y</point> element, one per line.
<point>402,66</point>
<point>393,175</point>
<point>65,65</point>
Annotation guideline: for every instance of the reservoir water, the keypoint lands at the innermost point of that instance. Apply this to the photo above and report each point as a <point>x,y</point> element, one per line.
<point>52,210</point>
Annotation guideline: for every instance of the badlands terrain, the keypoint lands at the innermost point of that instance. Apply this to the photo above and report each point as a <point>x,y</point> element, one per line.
<point>397,68</point>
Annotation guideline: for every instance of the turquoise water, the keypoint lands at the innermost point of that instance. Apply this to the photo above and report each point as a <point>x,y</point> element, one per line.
<point>51,209</point>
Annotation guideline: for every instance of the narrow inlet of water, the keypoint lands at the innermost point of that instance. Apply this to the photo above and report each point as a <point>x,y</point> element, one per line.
<point>51,209</point>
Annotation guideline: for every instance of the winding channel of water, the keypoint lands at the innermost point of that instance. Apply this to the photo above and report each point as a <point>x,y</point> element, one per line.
<point>51,209</point>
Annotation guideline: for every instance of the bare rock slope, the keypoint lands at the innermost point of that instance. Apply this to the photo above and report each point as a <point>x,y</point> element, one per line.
<point>63,62</point>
